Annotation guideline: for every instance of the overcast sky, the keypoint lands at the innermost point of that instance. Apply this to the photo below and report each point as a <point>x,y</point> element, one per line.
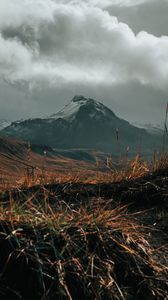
<point>115,51</point>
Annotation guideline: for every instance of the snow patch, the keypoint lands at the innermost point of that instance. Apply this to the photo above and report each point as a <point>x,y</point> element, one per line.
<point>150,128</point>
<point>70,110</point>
<point>4,124</point>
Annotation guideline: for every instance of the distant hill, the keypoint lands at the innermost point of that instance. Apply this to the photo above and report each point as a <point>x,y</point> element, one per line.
<point>16,157</point>
<point>151,128</point>
<point>83,123</point>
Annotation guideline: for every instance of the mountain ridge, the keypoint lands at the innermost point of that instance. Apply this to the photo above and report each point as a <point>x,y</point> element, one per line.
<point>82,123</point>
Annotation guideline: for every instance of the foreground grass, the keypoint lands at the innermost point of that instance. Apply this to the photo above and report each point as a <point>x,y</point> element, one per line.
<point>84,247</point>
<point>61,251</point>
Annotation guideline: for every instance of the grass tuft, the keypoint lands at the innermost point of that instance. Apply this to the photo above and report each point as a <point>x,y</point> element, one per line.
<point>66,252</point>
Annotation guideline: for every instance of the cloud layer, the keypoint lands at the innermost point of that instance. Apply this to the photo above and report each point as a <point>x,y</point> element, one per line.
<point>149,15</point>
<point>63,42</point>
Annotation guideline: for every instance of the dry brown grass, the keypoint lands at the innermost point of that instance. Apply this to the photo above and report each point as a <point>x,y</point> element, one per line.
<point>88,252</point>
<point>62,171</point>
<point>91,251</point>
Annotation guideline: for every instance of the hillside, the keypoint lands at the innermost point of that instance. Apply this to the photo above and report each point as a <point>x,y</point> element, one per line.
<point>18,159</point>
<point>4,123</point>
<point>84,123</point>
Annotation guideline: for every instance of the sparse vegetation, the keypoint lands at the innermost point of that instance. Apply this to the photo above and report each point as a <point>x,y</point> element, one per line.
<point>61,252</point>
<point>83,232</point>
<point>70,239</point>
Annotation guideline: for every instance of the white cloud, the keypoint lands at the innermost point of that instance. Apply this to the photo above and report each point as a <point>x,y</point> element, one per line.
<point>15,59</point>
<point>105,3</point>
<point>43,40</point>
<point>126,3</point>
<point>25,12</point>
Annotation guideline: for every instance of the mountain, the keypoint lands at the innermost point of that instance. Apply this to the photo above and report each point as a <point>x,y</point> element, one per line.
<point>83,123</point>
<point>4,123</point>
<point>150,128</point>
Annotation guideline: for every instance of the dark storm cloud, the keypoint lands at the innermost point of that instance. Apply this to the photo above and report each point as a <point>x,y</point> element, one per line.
<point>53,49</point>
<point>75,43</point>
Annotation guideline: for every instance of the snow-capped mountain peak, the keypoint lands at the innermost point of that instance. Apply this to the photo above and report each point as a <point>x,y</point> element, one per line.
<point>83,123</point>
<point>79,99</point>
<point>69,110</point>
<point>91,107</point>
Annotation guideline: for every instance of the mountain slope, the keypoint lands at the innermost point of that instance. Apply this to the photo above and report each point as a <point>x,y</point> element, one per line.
<point>4,123</point>
<point>16,158</point>
<point>83,123</point>
<point>150,128</point>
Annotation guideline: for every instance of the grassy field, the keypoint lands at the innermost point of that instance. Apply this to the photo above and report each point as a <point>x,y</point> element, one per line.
<point>72,236</point>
